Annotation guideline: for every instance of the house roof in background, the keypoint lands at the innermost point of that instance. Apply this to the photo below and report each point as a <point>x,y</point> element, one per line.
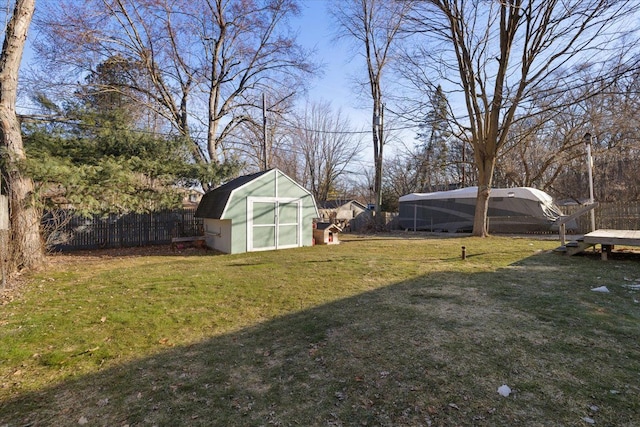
<point>335,204</point>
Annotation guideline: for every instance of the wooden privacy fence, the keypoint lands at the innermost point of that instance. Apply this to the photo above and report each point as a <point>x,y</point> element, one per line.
<point>615,216</point>
<point>64,231</point>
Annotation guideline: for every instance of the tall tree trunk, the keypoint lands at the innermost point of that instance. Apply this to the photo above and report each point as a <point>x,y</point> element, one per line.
<point>486,163</point>
<point>26,249</point>
<point>378,145</point>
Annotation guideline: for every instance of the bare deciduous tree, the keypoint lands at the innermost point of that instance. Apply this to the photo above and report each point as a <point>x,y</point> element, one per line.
<point>328,146</point>
<point>25,245</point>
<point>545,148</point>
<point>265,144</point>
<point>214,55</point>
<point>401,174</point>
<point>151,36</point>
<point>375,27</point>
<point>249,52</point>
<point>499,53</point>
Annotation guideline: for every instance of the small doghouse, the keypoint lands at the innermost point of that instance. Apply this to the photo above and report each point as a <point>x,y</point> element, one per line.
<point>326,233</point>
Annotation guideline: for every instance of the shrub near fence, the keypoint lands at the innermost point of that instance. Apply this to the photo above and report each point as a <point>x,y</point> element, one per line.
<point>615,216</point>
<point>65,231</point>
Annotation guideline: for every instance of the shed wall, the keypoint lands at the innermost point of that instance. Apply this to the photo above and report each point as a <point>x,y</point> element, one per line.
<point>275,185</point>
<point>309,213</point>
<point>237,209</point>
<point>217,233</point>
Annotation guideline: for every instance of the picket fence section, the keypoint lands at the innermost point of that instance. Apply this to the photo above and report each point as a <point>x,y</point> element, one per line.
<point>65,231</point>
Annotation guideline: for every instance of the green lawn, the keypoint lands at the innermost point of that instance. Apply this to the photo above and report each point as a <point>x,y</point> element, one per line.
<point>375,331</point>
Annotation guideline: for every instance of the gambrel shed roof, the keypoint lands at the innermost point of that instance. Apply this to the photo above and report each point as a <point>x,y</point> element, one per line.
<point>213,203</point>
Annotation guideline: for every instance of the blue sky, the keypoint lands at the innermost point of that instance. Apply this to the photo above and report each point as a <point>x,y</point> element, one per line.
<point>316,30</point>
<point>341,67</point>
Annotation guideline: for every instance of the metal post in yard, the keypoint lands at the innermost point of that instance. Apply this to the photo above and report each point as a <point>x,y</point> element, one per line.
<point>588,140</point>
<point>265,163</point>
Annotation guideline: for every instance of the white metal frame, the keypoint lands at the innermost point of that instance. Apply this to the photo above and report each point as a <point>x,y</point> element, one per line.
<point>276,201</point>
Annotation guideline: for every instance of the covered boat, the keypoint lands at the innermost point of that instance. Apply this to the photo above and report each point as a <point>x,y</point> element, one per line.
<point>511,210</point>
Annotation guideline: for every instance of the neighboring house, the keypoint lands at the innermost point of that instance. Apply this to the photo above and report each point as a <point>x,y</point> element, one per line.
<point>263,211</point>
<point>191,197</point>
<point>349,215</point>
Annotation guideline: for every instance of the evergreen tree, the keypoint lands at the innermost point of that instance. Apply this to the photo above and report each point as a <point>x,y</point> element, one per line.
<point>433,152</point>
<point>94,165</point>
<point>98,158</point>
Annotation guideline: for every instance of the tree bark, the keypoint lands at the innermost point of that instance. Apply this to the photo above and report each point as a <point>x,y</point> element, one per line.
<point>486,165</point>
<point>26,250</point>
<point>378,146</point>
<point>375,24</point>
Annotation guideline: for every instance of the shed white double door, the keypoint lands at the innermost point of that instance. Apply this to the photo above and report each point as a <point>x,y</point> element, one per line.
<point>273,223</point>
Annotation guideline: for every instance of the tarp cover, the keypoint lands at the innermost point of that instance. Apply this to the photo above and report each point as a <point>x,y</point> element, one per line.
<point>520,209</point>
<point>472,193</point>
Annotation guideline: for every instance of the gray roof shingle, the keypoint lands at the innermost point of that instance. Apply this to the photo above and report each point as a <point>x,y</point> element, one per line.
<point>213,202</point>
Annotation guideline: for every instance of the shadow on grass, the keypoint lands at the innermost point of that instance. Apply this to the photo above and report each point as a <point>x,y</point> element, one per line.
<point>429,351</point>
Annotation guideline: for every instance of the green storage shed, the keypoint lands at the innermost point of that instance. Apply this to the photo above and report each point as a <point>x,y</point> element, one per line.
<point>263,211</point>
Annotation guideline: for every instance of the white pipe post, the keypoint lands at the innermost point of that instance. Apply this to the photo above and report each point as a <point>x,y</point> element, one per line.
<point>588,141</point>
<point>265,163</point>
